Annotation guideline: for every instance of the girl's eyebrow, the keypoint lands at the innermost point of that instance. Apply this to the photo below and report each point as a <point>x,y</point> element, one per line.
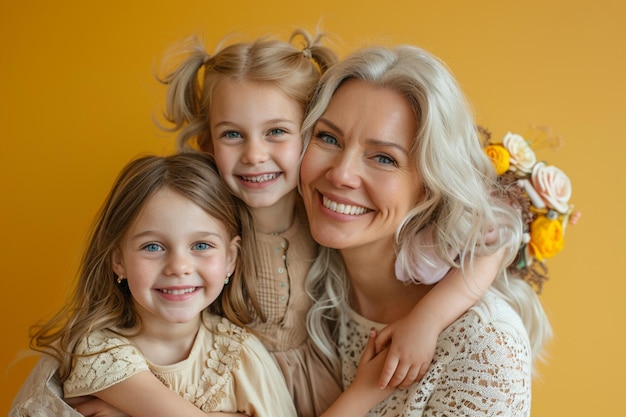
<point>371,141</point>
<point>271,121</point>
<point>151,233</point>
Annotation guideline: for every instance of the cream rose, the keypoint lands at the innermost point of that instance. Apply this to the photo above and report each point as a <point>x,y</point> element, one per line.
<point>553,186</point>
<point>522,156</point>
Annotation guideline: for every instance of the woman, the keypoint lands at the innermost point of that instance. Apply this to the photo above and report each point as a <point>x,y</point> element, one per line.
<point>391,147</point>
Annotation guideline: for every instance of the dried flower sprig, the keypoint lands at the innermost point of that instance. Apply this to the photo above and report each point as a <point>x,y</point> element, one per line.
<point>542,192</point>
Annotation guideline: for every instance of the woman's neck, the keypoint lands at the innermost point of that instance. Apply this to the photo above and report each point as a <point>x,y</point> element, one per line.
<point>277,218</point>
<point>376,294</point>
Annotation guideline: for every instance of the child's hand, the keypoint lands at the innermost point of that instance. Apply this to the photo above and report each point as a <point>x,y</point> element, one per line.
<point>412,341</point>
<point>363,393</point>
<point>368,372</point>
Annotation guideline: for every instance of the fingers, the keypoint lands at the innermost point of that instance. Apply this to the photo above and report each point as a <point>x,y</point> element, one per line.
<point>397,375</point>
<point>370,348</point>
<point>383,338</point>
<point>414,374</point>
<point>390,369</point>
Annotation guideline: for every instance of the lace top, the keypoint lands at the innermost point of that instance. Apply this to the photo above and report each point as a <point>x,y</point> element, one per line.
<point>228,369</point>
<point>481,366</point>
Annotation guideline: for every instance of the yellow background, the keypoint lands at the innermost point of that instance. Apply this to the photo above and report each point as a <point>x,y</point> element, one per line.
<point>77,99</point>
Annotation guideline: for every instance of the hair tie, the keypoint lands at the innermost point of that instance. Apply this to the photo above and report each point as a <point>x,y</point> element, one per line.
<point>306,52</point>
<point>206,59</point>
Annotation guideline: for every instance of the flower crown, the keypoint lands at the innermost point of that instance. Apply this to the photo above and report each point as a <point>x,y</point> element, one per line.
<point>542,193</point>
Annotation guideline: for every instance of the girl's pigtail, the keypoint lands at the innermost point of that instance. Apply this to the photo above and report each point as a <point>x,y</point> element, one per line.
<point>323,56</point>
<point>183,102</point>
<point>313,49</point>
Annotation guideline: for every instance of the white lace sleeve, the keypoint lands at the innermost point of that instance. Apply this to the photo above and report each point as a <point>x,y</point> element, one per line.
<point>481,367</point>
<point>102,360</point>
<point>488,375</point>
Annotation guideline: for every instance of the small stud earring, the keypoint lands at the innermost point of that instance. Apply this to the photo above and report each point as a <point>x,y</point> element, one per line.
<point>227,280</point>
<point>120,279</point>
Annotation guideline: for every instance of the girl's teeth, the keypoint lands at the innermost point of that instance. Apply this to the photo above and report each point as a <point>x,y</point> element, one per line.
<point>261,178</point>
<point>179,292</point>
<point>343,208</point>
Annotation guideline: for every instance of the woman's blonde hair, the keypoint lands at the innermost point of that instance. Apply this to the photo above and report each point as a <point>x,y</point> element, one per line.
<point>461,203</point>
<point>98,301</point>
<point>293,70</point>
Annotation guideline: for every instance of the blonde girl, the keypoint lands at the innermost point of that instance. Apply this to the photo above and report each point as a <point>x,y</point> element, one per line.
<point>245,105</point>
<point>154,326</point>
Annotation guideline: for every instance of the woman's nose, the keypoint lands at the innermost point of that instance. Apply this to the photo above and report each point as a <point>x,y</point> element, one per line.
<point>345,171</point>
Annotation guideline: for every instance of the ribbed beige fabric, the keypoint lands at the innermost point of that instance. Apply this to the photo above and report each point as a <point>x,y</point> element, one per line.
<point>284,261</point>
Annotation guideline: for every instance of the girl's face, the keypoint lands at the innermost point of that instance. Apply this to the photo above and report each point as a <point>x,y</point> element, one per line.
<point>358,181</point>
<point>175,257</point>
<point>256,141</point>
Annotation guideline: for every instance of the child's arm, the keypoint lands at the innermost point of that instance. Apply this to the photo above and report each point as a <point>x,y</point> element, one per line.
<point>413,338</point>
<point>144,395</point>
<point>363,393</point>
<point>90,406</point>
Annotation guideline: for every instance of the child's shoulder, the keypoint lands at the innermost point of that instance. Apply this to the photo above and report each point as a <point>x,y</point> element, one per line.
<point>222,326</point>
<point>102,359</point>
<point>103,340</point>
<point>228,337</point>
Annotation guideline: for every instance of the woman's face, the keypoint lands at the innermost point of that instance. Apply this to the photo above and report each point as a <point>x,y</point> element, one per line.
<point>358,181</point>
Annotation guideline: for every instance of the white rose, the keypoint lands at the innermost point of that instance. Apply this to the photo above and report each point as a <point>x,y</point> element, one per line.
<point>553,186</point>
<point>522,156</point>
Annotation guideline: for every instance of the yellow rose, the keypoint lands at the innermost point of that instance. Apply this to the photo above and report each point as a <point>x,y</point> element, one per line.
<point>546,237</point>
<point>499,158</point>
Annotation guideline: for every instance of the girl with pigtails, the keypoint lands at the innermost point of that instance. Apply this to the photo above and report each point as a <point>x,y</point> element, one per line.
<point>245,104</point>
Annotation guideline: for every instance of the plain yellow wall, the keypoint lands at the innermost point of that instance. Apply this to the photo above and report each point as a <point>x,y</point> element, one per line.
<point>77,98</point>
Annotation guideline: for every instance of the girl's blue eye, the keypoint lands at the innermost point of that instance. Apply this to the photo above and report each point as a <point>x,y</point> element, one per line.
<point>231,134</point>
<point>276,132</point>
<point>201,246</point>
<point>153,247</point>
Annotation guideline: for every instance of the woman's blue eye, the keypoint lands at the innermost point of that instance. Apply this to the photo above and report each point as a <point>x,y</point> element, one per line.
<point>325,137</point>
<point>201,246</point>
<point>386,160</point>
<point>153,247</point>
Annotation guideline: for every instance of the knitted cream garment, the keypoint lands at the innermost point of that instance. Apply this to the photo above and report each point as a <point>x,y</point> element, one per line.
<point>481,367</point>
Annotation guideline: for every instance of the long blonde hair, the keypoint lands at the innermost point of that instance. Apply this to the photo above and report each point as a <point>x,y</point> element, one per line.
<point>98,301</point>
<point>461,202</point>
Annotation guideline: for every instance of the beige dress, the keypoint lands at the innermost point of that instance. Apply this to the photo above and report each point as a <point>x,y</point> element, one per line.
<point>481,367</point>
<point>228,369</point>
<point>284,261</point>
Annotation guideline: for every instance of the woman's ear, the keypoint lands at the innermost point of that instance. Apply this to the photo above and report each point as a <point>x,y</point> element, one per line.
<point>117,262</point>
